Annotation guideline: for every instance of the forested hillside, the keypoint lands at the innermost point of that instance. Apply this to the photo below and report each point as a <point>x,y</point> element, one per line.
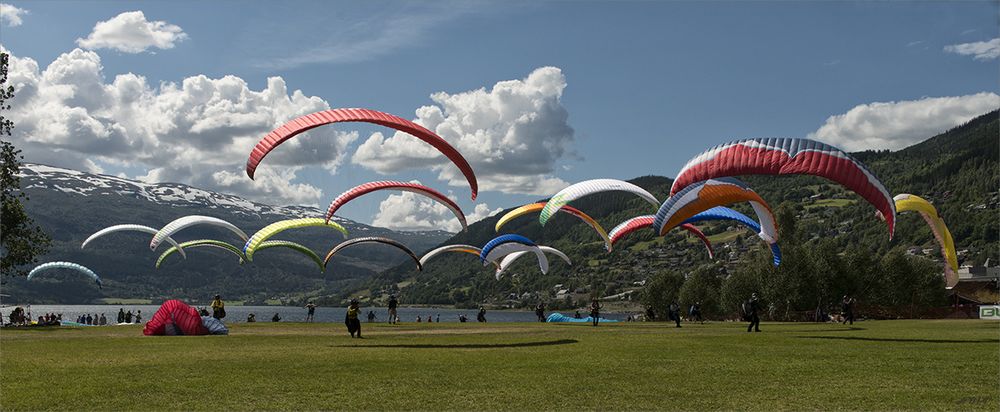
<point>959,171</point>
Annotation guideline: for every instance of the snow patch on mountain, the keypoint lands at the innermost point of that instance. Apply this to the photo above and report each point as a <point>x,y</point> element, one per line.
<point>37,176</point>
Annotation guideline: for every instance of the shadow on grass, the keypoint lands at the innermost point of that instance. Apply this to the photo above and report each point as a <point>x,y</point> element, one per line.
<point>901,339</point>
<point>468,345</point>
<point>852,328</point>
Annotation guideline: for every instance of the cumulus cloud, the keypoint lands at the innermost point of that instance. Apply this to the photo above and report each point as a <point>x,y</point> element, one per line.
<point>410,211</point>
<point>896,125</point>
<point>11,15</point>
<point>198,131</point>
<point>130,32</point>
<point>980,50</point>
<point>513,135</point>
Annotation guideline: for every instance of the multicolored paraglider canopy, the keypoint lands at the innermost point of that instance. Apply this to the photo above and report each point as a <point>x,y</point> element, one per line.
<point>504,245</point>
<point>702,196</point>
<point>536,207</point>
<point>639,222</point>
<point>785,156</point>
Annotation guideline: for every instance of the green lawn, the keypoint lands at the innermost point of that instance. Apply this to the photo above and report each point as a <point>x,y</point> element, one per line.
<point>925,365</point>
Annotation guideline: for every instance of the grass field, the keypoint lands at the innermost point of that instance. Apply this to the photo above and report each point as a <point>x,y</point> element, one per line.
<point>880,365</point>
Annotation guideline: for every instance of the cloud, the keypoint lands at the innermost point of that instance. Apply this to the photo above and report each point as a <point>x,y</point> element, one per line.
<point>896,125</point>
<point>352,39</point>
<point>980,50</point>
<point>410,211</point>
<point>513,135</point>
<point>130,32</point>
<point>11,15</point>
<point>198,131</point>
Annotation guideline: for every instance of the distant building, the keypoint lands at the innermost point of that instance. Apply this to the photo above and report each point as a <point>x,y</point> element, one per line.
<point>974,283</point>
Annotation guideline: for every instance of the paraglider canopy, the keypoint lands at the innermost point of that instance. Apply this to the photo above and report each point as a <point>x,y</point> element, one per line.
<point>543,265</point>
<point>65,265</point>
<point>504,245</point>
<point>133,228</point>
<point>273,229</point>
<point>639,222</point>
<point>705,195</point>
<point>589,187</point>
<point>536,207</point>
<point>373,239</point>
<point>725,213</point>
<point>309,121</point>
<point>191,220</point>
<point>906,202</point>
<point>784,156</point>
<point>417,188</point>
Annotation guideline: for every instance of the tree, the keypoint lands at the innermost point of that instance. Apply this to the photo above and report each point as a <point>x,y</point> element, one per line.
<point>21,241</point>
<point>660,291</point>
<point>703,286</point>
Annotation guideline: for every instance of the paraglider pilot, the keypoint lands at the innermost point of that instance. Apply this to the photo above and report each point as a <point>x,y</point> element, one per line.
<point>352,320</point>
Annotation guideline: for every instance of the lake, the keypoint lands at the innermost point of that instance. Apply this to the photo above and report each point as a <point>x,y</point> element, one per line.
<point>297,314</point>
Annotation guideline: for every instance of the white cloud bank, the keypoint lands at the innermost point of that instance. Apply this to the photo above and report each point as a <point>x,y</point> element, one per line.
<point>896,125</point>
<point>198,131</point>
<point>410,211</point>
<point>980,50</point>
<point>130,32</point>
<point>11,15</point>
<point>513,135</point>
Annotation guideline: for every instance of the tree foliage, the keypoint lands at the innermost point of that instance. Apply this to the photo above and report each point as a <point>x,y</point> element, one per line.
<point>21,241</point>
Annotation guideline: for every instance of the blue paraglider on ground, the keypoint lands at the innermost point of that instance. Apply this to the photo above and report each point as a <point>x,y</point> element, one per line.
<point>559,317</point>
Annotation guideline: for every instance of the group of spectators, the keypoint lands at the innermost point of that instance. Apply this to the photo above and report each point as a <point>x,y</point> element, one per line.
<point>19,317</point>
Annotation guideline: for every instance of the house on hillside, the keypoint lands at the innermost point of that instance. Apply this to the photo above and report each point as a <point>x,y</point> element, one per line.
<point>977,285</point>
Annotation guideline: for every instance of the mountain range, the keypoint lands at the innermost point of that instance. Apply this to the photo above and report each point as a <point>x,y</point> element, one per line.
<point>70,205</point>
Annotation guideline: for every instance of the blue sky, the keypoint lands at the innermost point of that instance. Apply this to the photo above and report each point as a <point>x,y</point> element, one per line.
<point>645,85</point>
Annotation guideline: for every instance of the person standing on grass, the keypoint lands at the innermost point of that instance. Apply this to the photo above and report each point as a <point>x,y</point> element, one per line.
<point>753,317</point>
<point>695,312</point>
<point>595,311</point>
<point>138,316</point>
<point>540,311</point>
<point>482,314</point>
<point>128,317</point>
<point>371,316</point>
<point>675,313</point>
<point>121,315</point>
<point>218,307</point>
<point>311,308</point>
<point>352,320</point>
<point>393,303</point>
<point>848,309</point>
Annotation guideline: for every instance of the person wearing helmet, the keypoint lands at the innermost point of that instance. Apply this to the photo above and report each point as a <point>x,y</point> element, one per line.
<point>352,320</point>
